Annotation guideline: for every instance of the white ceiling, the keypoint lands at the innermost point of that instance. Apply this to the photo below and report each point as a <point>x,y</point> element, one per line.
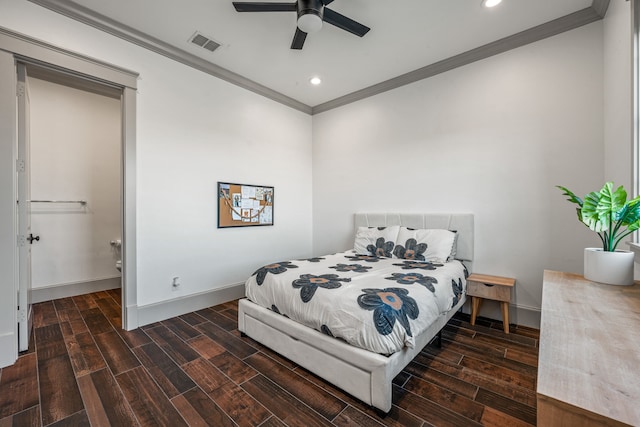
<point>405,35</point>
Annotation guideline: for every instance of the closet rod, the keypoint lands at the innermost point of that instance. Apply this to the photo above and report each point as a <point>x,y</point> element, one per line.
<point>82,202</point>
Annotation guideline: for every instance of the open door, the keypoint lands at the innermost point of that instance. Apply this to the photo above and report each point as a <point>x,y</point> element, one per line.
<point>25,238</point>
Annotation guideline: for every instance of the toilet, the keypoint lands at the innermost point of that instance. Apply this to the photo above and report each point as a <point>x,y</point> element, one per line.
<point>117,247</point>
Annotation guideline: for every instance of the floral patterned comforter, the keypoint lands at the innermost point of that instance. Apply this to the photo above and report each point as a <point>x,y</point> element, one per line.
<point>379,304</point>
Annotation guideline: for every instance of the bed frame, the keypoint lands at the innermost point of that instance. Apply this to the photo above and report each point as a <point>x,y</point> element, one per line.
<point>361,373</point>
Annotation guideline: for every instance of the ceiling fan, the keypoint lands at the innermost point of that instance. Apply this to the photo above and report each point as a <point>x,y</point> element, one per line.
<point>311,14</point>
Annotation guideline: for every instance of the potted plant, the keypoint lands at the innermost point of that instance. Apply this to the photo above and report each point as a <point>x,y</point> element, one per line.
<point>613,218</point>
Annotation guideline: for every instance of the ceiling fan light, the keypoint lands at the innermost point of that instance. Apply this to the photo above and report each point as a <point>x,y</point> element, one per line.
<point>309,23</point>
<point>491,3</point>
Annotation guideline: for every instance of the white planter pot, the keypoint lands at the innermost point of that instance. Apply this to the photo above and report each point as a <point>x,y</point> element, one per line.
<point>612,268</point>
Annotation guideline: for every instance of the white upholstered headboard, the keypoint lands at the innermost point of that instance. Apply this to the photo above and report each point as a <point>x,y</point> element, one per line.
<point>462,223</point>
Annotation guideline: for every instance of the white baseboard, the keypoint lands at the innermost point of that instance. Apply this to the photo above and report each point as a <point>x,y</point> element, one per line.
<point>8,349</point>
<point>49,293</point>
<point>156,312</point>
<point>525,316</point>
<point>130,320</point>
<point>518,314</point>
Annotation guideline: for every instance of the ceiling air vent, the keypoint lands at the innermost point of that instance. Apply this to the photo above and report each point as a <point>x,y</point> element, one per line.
<point>204,42</point>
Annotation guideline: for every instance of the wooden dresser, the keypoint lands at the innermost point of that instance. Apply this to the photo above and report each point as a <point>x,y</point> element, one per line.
<point>589,363</point>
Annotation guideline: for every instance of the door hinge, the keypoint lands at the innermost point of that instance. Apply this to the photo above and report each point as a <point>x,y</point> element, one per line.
<point>20,89</point>
<point>20,165</point>
<point>22,315</point>
<point>22,240</point>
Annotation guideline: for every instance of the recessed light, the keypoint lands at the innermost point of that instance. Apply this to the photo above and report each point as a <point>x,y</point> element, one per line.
<point>315,81</point>
<point>491,3</point>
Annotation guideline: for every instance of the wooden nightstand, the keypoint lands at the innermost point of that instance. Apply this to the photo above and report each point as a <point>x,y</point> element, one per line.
<point>481,286</point>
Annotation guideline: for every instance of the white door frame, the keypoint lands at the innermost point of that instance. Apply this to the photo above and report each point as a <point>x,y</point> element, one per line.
<point>18,47</point>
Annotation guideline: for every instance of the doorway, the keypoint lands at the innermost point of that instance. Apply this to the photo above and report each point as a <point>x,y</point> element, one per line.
<point>14,48</point>
<point>70,185</point>
<point>75,185</point>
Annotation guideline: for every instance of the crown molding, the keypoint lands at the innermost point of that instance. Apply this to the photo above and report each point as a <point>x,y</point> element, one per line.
<point>595,12</point>
<point>86,16</point>
<point>540,32</point>
<point>600,6</point>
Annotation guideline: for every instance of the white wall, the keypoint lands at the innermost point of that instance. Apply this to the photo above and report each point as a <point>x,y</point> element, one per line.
<point>192,131</point>
<point>196,131</point>
<point>75,155</point>
<point>618,94</point>
<point>492,138</point>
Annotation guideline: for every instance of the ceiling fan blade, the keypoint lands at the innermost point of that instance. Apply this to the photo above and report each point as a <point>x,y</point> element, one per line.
<point>347,24</point>
<point>298,39</point>
<point>326,2</point>
<point>260,6</point>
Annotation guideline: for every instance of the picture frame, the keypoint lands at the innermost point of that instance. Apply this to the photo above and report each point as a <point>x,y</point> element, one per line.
<point>244,205</point>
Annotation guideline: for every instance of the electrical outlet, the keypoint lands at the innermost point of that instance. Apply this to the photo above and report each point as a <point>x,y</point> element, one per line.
<point>175,285</point>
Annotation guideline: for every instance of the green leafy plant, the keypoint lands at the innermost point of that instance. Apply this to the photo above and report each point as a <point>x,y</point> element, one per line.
<point>608,213</point>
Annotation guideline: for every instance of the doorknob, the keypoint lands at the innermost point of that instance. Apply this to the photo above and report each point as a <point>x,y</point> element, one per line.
<point>31,238</point>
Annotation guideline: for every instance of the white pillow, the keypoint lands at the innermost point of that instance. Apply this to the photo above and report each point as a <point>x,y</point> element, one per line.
<point>378,241</point>
<point>454,249</point>
<point>434,245</point>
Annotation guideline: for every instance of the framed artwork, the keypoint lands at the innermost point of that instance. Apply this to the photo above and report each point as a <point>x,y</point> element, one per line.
<point>243,205</point>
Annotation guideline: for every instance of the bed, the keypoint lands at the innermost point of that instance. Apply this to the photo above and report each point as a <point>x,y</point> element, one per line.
<point>358,364</point>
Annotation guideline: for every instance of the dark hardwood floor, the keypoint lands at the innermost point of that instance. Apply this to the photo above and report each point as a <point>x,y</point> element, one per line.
<point>197,370</point>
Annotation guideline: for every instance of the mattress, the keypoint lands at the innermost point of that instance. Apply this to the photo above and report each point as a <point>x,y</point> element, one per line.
<point>378,304</point>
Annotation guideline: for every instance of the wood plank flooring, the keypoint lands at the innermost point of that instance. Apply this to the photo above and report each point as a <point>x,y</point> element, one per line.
<point>197,370</point>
